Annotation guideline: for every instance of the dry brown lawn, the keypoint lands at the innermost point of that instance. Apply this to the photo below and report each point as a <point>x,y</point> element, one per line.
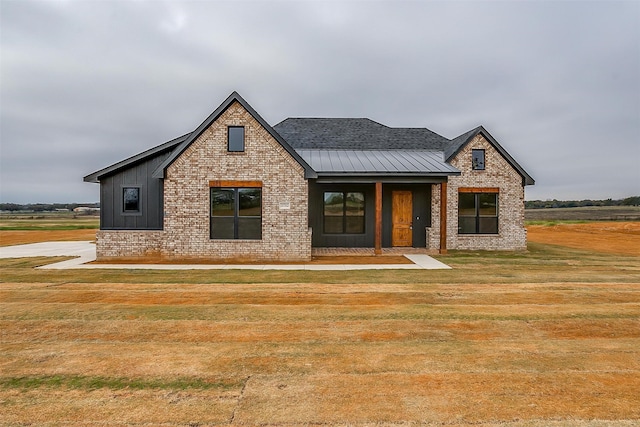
<point>546,338</point>
<point>613,237</point>
<point>21,237</point>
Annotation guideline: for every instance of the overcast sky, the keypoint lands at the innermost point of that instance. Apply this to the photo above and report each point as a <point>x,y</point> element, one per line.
<point>85,84</point>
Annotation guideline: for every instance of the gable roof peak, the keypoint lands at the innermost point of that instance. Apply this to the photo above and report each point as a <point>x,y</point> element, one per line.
<point>235,96</point>
<point>458,143</point>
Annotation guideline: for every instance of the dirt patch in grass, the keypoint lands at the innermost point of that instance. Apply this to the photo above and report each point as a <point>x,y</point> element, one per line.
<point>611,237</point>
<point>21,237</point>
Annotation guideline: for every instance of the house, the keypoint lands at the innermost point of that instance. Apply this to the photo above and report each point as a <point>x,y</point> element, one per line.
<point>238,188</point>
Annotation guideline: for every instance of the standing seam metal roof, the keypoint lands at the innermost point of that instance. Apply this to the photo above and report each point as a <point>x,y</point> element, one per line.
<point>426,162</point>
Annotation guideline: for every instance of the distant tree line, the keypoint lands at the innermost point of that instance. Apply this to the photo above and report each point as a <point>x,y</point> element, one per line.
<point>44,207</point>
<point>542,204</point>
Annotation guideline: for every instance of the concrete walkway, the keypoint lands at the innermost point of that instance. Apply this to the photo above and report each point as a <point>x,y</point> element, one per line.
<point>86,252</point>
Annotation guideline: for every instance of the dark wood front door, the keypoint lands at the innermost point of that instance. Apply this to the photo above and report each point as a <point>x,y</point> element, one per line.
<point>402,215</point>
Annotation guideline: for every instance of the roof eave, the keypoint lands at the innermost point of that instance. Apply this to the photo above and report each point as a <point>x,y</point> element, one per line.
<point>109,170</point>
<point>321,174</point>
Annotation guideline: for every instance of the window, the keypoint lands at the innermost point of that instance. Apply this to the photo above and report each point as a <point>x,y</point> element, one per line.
<point>235,138</point>
<point>477,160</point>
<point>343,212</point>
<point>236,213</point>
<point>131,199</point>
<point>477,213</point>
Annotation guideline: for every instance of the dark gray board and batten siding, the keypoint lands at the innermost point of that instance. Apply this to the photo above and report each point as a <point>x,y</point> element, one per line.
<point>150,217</point>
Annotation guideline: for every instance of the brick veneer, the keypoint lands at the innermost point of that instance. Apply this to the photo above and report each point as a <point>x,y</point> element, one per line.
<point>113,244</point>
<point>285,232</point>
<point>498,173</point>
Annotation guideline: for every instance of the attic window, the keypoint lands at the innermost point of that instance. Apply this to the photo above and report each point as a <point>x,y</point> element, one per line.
<point>235,139</point>
<point>477,160</point>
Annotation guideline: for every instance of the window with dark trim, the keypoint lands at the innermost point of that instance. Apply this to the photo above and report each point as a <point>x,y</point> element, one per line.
<point>477,160</point>
<point>343,212</point>
<point>477,213</point>
<point>131,199</point>
<point>235,139</point>
<point>236,213</point>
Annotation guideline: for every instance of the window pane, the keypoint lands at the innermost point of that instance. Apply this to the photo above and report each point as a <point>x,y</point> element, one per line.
<point>488,204</point>
<point>249,228</point>
<point>466,204</point>
<point>333,224</point>
<point>467,225</point>
<point>333,204</point>
<point>131,199</point>
<point>489,225</point>
<point>222,202</point>
<point>222,227</point>
<point>250,200</point>
<point>355,224</point>
<point>236,138</point>
<point>355,204</point>
<point>477,159</point>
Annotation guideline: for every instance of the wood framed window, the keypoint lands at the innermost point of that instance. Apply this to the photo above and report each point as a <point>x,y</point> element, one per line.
<point>235,139</point>
<point>477,212</point>
<point>236,213</point>
<point>343,212</point>
<point>477,160</point>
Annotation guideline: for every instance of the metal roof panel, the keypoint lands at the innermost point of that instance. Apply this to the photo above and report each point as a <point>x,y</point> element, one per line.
<point>377,161</point>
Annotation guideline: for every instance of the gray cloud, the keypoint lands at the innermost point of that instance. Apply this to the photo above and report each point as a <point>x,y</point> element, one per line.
<point>86,84</point>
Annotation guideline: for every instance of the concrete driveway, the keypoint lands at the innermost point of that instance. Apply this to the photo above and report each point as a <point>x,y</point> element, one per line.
<point>85,252</point>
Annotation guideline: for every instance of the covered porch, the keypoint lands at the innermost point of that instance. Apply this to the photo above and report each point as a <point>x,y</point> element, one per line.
<point>378,199</point>
<point>380,216</point>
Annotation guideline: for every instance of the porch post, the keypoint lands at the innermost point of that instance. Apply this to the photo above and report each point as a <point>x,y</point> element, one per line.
<point>378,229</point>
<point>443,218</point>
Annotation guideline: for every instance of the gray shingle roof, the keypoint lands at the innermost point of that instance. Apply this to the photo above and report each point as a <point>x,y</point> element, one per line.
<point>394,162</point>
<point>356,134</point>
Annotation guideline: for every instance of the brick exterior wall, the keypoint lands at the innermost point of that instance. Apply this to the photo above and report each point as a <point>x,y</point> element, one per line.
<point>433,232</point>
<point>285,232</point>
<point>498,173</point>
<point>112,244</point>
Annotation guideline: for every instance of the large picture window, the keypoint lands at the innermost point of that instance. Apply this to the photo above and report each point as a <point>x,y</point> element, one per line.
<point>236,213</point>
<point>343,212</point>
<point>477,213</point>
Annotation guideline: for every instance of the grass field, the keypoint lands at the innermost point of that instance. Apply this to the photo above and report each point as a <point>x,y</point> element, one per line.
<point>585,213</point>
<point>547,337</point>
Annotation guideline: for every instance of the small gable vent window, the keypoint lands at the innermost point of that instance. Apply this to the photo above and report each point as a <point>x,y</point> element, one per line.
<point>235,139</point>
<point>477,160</point>
<point>131,199</point>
